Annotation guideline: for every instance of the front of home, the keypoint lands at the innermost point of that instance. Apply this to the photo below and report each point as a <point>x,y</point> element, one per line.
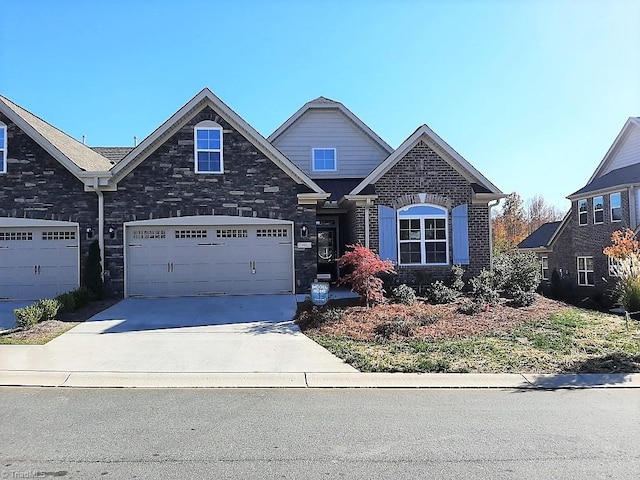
<point>610,201</point>
<point>207,206</point>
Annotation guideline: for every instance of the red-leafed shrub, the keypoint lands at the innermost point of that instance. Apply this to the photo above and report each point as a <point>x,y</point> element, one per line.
<point>365,267</point>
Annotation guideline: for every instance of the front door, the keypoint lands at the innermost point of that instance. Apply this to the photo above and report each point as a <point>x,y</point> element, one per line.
<point>327,252</point>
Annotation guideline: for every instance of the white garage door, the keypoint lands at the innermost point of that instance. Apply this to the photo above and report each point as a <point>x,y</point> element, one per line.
<point>38,258</point>
<point>208,255</point>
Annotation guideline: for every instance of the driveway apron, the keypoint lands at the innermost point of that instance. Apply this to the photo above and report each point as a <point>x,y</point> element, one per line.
<point>191,334</point>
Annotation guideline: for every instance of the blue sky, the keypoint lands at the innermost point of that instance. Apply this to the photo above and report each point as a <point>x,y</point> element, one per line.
<point>532,93</point>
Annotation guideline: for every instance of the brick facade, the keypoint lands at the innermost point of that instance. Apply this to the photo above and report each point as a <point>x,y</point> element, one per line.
<point>165,185</point>
<point>588,240</point>
<point>422,170</point>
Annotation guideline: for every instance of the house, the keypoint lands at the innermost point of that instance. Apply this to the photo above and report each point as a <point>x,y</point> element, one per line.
<point>206,205</point>
<point>608,202</point>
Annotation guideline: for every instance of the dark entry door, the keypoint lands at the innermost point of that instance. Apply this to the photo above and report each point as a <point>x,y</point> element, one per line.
<point>327,252</point>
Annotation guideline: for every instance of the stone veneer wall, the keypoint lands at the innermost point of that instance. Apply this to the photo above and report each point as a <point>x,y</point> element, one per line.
<point>165,185</point>
<point>37,186</point>
<point>422,170</point>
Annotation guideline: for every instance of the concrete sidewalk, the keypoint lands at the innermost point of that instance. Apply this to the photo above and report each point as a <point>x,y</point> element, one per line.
<point>78,379</point>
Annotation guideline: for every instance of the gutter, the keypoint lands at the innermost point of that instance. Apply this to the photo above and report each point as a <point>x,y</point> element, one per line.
<point>490,205</point>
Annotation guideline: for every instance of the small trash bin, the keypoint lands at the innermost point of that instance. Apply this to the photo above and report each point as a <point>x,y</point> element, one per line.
<point>319,293</point>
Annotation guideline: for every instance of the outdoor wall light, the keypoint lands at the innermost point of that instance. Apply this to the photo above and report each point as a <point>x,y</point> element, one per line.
<point>89,232</point>
<point>304,230</point>
<point>112,232</point>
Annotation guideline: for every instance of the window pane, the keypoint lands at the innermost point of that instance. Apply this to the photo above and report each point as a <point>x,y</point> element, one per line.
<point>582,278</point>
<point>582,205</point>
<point>436,252</point>
<point>589,261</point>
<point>2,137</point>
<point>209,162</point>
<point>580,263</point>
<point>410,252</point>
<point>590,278</point>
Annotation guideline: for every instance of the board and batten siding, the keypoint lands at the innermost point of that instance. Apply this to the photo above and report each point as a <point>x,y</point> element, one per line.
<point>628,154</point>
<point>357,153</point>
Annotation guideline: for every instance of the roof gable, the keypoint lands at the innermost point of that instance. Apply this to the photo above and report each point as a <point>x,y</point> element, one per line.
<point>424,133</point>
<point>189,110</point>
<point>72,154</point>
<point>326,103</point>
<point>626,143</point>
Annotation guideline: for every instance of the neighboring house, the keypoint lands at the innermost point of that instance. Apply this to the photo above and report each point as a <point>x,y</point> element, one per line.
<point>205,205</point>
<point>608,202</point>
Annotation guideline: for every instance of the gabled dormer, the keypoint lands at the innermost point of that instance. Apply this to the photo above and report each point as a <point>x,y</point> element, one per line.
<point>327,141</point>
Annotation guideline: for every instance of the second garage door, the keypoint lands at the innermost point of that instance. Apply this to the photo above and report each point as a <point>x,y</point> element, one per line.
<point>208,255</point>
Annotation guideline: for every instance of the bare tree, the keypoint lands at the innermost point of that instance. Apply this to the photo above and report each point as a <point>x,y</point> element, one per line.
<point>539,212</point>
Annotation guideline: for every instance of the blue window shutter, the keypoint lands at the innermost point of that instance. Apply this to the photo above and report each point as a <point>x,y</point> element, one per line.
<point>387,233</point>
<point>460,218</point>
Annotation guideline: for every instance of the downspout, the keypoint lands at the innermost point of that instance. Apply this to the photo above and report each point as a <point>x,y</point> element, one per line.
<point>366,222</point>
<point>100,223</point>
<point>490,206</point>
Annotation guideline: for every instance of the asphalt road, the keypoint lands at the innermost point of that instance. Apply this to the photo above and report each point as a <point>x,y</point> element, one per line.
<point>256,434</point>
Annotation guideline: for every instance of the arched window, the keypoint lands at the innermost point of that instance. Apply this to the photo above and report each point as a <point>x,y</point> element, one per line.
<point>208,147</point>
<point>3,148</point>
<point>423,237</point>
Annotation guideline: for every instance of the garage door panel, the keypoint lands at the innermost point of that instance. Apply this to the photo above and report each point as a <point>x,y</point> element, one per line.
<point>212,259</point>
<point>38,261</point>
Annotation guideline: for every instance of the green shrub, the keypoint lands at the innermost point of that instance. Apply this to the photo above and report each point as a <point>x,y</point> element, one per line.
<point>67,302</point>
<point>83,297</point>
<point>439,293</point>
<point>470,307</point>
<point>404,294</point>
<point>400,326</point>
<point>516,272</point>
<point>628,293</point>
<point>93,271</point>
<point>522,299</point>
<point>27,317</point>
<point>455,278</point>
<point>49,308</point>
<point>483,288</point>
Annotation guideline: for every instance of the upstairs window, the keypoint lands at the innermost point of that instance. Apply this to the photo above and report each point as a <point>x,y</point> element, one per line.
<point>615,202</point>
<point>582,212</point>
<point>423,235</point>
<point>208,148</point>
<point>3,148</point>
<point>324,159</point>
<point>598,210</point>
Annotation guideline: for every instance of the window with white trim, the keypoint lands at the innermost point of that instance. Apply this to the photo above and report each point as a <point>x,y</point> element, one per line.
<point>585,271</point>
<point>3,148</point>
<point>423,235</point>
<point>582,211</point>
<point>598,209</point>
<point>614,267</point>
<point>615,203</point>
<point>208,147</point>
<point>544,264</point>
<point>324,160</point>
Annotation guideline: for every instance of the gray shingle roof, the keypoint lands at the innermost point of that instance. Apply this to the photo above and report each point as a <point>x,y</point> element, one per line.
<point>337,187</point>
<point>81,155</point>
<point>113,154</point>
<point>541,237</point>
<point>620,176</point>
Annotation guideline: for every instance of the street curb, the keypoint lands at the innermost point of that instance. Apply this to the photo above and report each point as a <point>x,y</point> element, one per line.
<point>316,380</point>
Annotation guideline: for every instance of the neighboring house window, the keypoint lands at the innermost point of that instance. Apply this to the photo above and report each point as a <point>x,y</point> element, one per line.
<point>324,159</point>
<point>3,148</point>
<point>598,210</point>
<point>585,271</point>
<point>422,235</point>
<point>614,267</point>
<point>616,206</point>
<point>208,147</point>
<point>582,212</point>
<point>544,261</point>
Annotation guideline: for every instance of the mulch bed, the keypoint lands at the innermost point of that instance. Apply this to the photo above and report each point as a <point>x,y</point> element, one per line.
<point>442,321</point>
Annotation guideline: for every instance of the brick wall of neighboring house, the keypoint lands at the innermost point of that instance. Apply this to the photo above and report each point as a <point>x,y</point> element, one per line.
<point>422,170</point>
<point>165,185</point>
<point>587,241</point>
<point>37,186</point>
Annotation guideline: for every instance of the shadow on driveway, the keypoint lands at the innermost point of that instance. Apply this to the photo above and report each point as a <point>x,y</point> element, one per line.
<point>144,314</point>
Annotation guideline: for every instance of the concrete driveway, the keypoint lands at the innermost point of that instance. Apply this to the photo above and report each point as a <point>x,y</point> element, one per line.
<point>7,318</point>
<point>209,334</point>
